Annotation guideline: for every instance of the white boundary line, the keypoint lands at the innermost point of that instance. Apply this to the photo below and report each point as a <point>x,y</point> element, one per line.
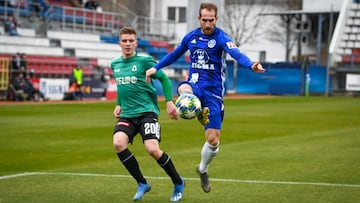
<point>213,179</point>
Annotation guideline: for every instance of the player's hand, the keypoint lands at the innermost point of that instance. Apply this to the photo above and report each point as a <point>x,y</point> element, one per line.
<point>117,111</point>
<point>171,109</point>
<point>149,73</point>
<point>257,67</point>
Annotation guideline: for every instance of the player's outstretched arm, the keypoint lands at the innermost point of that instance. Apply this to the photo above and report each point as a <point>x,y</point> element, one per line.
<point>257,67</point>
<point>149,73</point>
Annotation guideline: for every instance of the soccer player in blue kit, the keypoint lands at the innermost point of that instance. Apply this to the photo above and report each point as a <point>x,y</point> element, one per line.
<point>208,46</point>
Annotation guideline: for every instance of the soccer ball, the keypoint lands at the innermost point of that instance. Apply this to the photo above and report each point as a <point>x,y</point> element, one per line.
<point>188,106</point>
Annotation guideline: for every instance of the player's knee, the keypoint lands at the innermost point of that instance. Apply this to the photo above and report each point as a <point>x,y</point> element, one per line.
<point>213,142</point>
<point>154,151</point>
<point>212,137</point>
<point>184,88</point>
<point>120,142</point>
<point>119,146</point>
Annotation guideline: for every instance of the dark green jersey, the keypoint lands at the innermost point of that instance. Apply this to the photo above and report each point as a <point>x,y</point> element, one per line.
<point>134,94</point>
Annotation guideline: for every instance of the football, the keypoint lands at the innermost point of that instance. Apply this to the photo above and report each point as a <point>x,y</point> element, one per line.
<point>188,106</point>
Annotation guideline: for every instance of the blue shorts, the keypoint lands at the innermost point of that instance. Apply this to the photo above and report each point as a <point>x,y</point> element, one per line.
<point>213,102</point>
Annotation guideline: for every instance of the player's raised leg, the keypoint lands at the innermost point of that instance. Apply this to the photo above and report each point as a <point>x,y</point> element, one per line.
<point>203,117</point>
<point>204,180</point>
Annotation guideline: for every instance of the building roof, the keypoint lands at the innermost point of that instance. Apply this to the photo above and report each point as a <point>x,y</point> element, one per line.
<point>298,12</point>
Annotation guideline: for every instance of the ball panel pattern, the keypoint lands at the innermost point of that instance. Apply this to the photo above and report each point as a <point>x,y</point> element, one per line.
<point>188,106</point>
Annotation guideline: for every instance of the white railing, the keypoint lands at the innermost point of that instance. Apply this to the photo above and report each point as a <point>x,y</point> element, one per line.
<point>84,20</point>
<point>338,32</point>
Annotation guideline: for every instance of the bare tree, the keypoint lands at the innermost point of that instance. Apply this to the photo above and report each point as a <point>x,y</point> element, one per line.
<point>279,33</point>
<point>242,22</point>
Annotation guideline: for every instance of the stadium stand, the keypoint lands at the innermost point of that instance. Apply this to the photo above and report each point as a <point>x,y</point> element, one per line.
<point>24,40</point>
<point>55,66</point>
<point>61,3</point>
<point>62,37</point>
<point>86,45</point>
<point>158,49</point>
<point>22,9</point>
<point>344,50</point>
<point>26,32</point>
<point>347,34</point>
<point>32,49</point>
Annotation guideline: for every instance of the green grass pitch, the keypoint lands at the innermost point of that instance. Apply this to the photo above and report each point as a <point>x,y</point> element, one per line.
<point>277,149</point>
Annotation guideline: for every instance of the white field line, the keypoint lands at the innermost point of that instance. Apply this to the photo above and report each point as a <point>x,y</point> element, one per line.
<point>193,179</point>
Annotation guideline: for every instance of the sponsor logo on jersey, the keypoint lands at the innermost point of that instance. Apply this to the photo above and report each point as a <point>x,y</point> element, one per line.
<point>126,80</point>
<point>211,43</point>
<point>230,45</point>
<point>117,70</point>
<point>200,60</point>
<point>123,123</point>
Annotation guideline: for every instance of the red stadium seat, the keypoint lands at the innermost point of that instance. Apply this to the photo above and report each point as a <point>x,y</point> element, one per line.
<point>161,44</point>
<point>60,66</point>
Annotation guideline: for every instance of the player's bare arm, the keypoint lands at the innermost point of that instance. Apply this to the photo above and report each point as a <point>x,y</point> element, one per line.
<point>149,73</point>
<point>117,111</point>
<point>171,109</point>
<point>257,67</point>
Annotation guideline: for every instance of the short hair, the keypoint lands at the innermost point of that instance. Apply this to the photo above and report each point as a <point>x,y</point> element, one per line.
<point>127,30</point>
<point>209,7</point>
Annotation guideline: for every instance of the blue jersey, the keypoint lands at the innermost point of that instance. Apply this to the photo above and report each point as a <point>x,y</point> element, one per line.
<point>207,58</point>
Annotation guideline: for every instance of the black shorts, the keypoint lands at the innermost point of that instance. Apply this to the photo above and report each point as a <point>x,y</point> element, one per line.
<point>147,125</point>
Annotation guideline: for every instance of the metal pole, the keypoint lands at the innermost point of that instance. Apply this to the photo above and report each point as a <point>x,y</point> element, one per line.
<point>329,55</point>
<point>298,46</point>
<point>287,19</point>
<point>288,39</point>
<point>320,21</point>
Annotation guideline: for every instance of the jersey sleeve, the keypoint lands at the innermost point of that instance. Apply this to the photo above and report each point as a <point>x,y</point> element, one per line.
<point>118,100</point>
<point>165,83</point>
<point>149,62</point>
<point>230,47</point>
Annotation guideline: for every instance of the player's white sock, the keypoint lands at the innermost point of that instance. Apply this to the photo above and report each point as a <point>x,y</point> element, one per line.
<point>208,153</point>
